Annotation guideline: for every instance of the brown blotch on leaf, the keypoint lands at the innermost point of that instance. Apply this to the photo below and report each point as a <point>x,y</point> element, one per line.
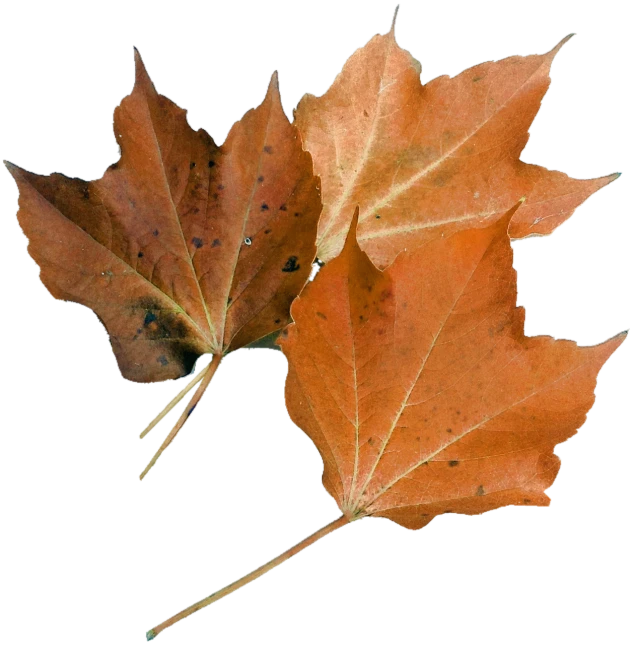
<point>291,265</point>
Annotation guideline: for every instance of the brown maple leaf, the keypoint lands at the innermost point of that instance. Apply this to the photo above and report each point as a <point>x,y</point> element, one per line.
<point>182,248</point>
<point>419,387</point>
<point>425,160</point>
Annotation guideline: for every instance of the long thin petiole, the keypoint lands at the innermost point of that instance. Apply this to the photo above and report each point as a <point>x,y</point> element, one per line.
<point>152,633</point>
<point>175,401</point>
<point>217,358</point>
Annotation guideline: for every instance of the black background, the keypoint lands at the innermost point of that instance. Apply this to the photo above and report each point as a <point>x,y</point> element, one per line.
<point>68,416</point>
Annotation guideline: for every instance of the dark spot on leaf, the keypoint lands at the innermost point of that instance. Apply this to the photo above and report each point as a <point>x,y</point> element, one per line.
<point>260,178</point>
<point>283,207</point>
<point>211,163</point>
<point>170,326</point>
<point>155,232</point>
<point>442,177</point>
<point>365,113</point>
<point>297,214</point>
<point>268,150</point>
<point>480,491</point>
<point>114,166</point>
<point>264,206</point>
<point>321,315</point>
<point>453,463</point>
<point>377,216</point>
<point>291,264</point>
<point>220,186</point>
<point>192,165</point>
<point>215,243</point>
<point>277,321</point>
<point>527,501</point>
<point>370,441</point>
<point>86,193</point>
<point>449,430</point>
<point>197,242</point>
<point>215,195</point>
<point>162,359</point>
<point>361,318</point>
<point>267,231</point>
<point>229,300</point>
<point>139,254</point>
<point>476,79</point>
<point>191,409</point>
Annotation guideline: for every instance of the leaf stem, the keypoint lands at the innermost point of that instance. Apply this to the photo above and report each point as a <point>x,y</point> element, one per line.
<point>152,633</point>
<point>195,399</point>
<point>175,401</point>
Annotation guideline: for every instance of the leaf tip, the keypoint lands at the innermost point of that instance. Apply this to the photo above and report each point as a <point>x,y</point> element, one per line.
<point>351,233</point>
<point>504,221</point>
<point>141,75</point>
<point>392,31</point>
<point>273,87</point>
<point>561,43</point>
<point>16,172</point>
<point>12,168</point>
<point>151,635</point>
<point>274,79</point>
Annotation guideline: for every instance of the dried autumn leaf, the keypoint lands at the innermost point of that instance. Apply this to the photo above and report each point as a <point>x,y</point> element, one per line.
<point>426,160</point>
<point>419,387</point>
<point>181,248</point>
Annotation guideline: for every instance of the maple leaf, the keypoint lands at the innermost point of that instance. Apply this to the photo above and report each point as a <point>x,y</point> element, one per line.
<point>182,248</point>
<point>426,160</point>
<point>419,387</point>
